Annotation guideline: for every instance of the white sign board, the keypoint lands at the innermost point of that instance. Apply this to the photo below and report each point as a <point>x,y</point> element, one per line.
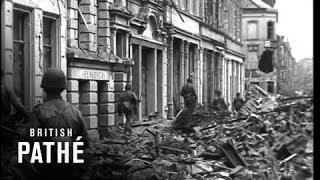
<point>89,74</point>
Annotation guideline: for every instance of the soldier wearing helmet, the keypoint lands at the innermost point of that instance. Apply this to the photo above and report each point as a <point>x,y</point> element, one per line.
<point>219,103</point>
<point>127,106</point>
<point>238,102</point>
<point>56,113</point>
<point>189,95</point>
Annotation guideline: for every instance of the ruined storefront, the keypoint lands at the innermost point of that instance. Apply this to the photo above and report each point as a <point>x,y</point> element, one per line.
<point>148,47</point>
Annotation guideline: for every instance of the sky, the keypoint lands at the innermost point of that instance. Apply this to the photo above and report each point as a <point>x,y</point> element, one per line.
<point>295,23</point>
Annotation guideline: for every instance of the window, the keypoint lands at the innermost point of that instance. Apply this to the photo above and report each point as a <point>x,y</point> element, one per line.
<point>49,42</point>
<point>120,2</point>
<point>217,16</point>
<point>270,25</point>
<point>121,43</point>
<point>21,48</point>
<point>252,32</point>
<point>192,56</point>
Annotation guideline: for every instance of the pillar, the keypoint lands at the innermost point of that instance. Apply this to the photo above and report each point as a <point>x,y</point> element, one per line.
<point>72,24</point>
<point>103,27</point>
<point>88,101</point>
<point>170,77</point>
<point>182,65</point>
<point>113,41</point>
<point>200,75</point>
<point>88,37</point>
<point>186,57</point>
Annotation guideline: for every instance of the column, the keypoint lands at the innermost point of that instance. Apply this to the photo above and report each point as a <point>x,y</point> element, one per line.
<point>73,92</point>
<point>88,35</point>
<point>170,77</point>
<point>182,76</point>
<point>186,57</point>
<point>72,24</point>
<point>200,75</point>
<point>89,107</point>
<point>103,27</point>
<point>113,42</point>
<point>164,80</point>
<point>120,81</point>
<point>106,107</point>
<point>205,75</point>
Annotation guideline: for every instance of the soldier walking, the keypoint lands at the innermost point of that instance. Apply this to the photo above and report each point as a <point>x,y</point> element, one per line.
<point>238,102</point>
<point>219,103</point>
<point>56,113</point>
<point>189,95</point>
<point>128,106</point>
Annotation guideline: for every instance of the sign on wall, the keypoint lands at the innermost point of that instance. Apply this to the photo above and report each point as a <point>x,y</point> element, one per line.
<point>88,74</point>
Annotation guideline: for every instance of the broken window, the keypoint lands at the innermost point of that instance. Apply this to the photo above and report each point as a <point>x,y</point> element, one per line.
<point>270,86</point>
<point>270,30</point>
<point>266,62</point>
<point>21,40</point>
<point>121,43</point>
<point>49,42</point>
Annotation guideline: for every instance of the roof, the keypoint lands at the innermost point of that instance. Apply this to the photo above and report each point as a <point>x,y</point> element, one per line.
<point>261,4</point>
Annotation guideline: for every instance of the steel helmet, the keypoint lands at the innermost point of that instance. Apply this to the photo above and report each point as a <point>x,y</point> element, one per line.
<point>54,79</point>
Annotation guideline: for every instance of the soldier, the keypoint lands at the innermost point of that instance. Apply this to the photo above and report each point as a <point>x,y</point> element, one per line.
<point>189,95</point>
<point>56,113</point>
<point>238,102</point>
<point>218,103</point>
<point>8,98</point>
<point>128,106</point>
<point>248,96</point>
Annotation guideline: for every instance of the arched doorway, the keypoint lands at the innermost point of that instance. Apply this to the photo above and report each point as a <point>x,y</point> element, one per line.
<point>266,62</point>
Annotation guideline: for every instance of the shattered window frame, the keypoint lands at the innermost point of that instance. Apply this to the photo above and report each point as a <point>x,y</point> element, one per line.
<point>50,41</point>
<point>22,43</point>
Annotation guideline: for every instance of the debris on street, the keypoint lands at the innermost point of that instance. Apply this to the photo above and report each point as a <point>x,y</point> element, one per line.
<point>272,139</point>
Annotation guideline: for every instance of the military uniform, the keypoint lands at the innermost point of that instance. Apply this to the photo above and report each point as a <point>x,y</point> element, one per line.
<point>8,98</point>
<point>238,102</point>
<point>8,140</point>
<point>57,113</point>
<point>128,107</point>
<point>219,104</point>
<point>189,96</point>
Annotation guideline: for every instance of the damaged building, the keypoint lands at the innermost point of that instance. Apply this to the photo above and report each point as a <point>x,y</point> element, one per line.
<point>103,44</point>
<point>33,39</point>
<point>286,65</point>
<point>260,42</point>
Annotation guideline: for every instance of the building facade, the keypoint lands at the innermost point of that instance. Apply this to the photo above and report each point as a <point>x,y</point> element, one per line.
<point>34,38</point>
<point>260,41</point>
<point>204,43</point>
<point>103,44</point>
<point>286,65</point>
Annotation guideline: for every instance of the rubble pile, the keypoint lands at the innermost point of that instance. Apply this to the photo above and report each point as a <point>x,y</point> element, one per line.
<point>273,140</point>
